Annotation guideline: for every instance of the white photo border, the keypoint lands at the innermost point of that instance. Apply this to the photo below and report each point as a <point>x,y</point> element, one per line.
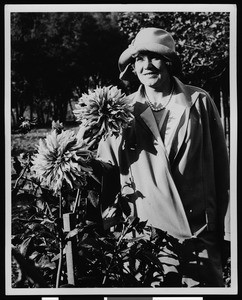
<point>232,9</point>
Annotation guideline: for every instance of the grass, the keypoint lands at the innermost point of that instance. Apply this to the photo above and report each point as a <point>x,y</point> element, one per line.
<point>28,142</point>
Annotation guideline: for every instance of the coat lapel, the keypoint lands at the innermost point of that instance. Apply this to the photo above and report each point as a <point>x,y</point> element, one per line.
<point>149,119</point>
<point>145,116</point>
<point>185,98</point>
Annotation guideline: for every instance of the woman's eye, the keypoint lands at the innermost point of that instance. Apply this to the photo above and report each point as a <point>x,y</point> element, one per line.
<point>138,58</point>
<point>155,57</point>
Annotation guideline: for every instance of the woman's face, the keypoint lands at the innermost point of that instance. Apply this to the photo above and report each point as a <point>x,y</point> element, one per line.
<point>151,69</point>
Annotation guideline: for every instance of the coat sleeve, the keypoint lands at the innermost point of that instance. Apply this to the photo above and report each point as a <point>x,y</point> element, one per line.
<point>106,170</point>
<point>221,164</point>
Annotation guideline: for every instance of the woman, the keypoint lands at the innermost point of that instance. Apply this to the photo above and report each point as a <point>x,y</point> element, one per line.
<point>173,157</point>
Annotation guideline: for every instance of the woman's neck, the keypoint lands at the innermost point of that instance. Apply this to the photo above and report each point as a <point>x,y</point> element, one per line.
<point>159,95</point>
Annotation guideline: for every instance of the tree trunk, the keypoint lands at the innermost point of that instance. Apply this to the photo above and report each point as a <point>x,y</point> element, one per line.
<point>14,121</point>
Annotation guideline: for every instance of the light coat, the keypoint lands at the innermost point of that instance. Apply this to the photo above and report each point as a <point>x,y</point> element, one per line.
<point>182,190</point>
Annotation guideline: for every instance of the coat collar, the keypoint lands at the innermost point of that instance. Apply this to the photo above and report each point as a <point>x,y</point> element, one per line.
<point>184,96</point>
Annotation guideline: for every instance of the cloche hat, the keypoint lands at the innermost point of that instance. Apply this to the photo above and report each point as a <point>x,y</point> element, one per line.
<point>149,39</point>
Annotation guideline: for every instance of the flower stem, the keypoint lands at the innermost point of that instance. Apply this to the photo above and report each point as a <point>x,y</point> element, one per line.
<point>58,276</point>
<point>20,176</point>
<point>115,253</point>
<point>49,210</point>
<point>77,200</point>
<point>60,206</point>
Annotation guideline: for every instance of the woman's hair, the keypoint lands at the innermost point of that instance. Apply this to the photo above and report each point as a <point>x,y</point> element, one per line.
<point>167,62</point>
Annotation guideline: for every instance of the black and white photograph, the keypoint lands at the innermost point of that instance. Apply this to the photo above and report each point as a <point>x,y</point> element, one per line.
<point>120,149</point>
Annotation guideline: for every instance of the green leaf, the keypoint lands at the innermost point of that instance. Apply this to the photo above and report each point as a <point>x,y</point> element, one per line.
<point>25,245</point>
<point>40,204</point>
<point>141,226</point>
<point>134,240</point>
<point>93,198</point>
<point>110,222</point>
<point>90,243</point>
<point>56,257</point>
<point>34,255</point>
<point>152,258</point>
<point>72,233</point>
<point>44,262</point>
<point>125,205</point>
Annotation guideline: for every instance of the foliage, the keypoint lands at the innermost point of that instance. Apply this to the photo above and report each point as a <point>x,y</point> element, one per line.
<point>202,39</point>
<point>202,42</point>
<point>103,257</point>
<point>129,256</point>
<point>33,228</point>
<point>112,248</point>
<point>55,53</point>
<point>24,126</point>
<point>132,255</point>
<point>120,251</point>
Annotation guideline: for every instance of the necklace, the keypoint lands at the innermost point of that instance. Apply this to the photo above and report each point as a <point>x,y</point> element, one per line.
<point>151,105</point>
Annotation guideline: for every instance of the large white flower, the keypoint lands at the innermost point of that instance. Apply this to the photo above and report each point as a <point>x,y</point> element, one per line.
<point>61,158</point>
<point>104,111</point>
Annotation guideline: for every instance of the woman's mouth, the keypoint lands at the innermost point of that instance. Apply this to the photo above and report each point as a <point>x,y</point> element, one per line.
<point>149,73</point>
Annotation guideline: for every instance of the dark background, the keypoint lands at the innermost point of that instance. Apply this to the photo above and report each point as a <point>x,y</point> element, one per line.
<point>2,218</point>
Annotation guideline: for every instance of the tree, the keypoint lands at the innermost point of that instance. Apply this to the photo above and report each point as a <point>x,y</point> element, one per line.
<point>202,39</point>
<point>54,54</point>
<point>202,42</point>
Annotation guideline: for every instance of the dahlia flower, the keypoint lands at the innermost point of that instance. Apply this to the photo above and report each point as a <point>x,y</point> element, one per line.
<point>61,158</point>
<point>57,126</point>
<point>105,111</point>
<point>25,125</point>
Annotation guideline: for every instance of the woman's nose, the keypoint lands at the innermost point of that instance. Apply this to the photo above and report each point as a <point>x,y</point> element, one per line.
<point>147,62</point>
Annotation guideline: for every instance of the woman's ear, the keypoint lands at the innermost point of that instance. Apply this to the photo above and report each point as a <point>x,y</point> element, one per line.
<point>169,66</point>
<point>133,69</point>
